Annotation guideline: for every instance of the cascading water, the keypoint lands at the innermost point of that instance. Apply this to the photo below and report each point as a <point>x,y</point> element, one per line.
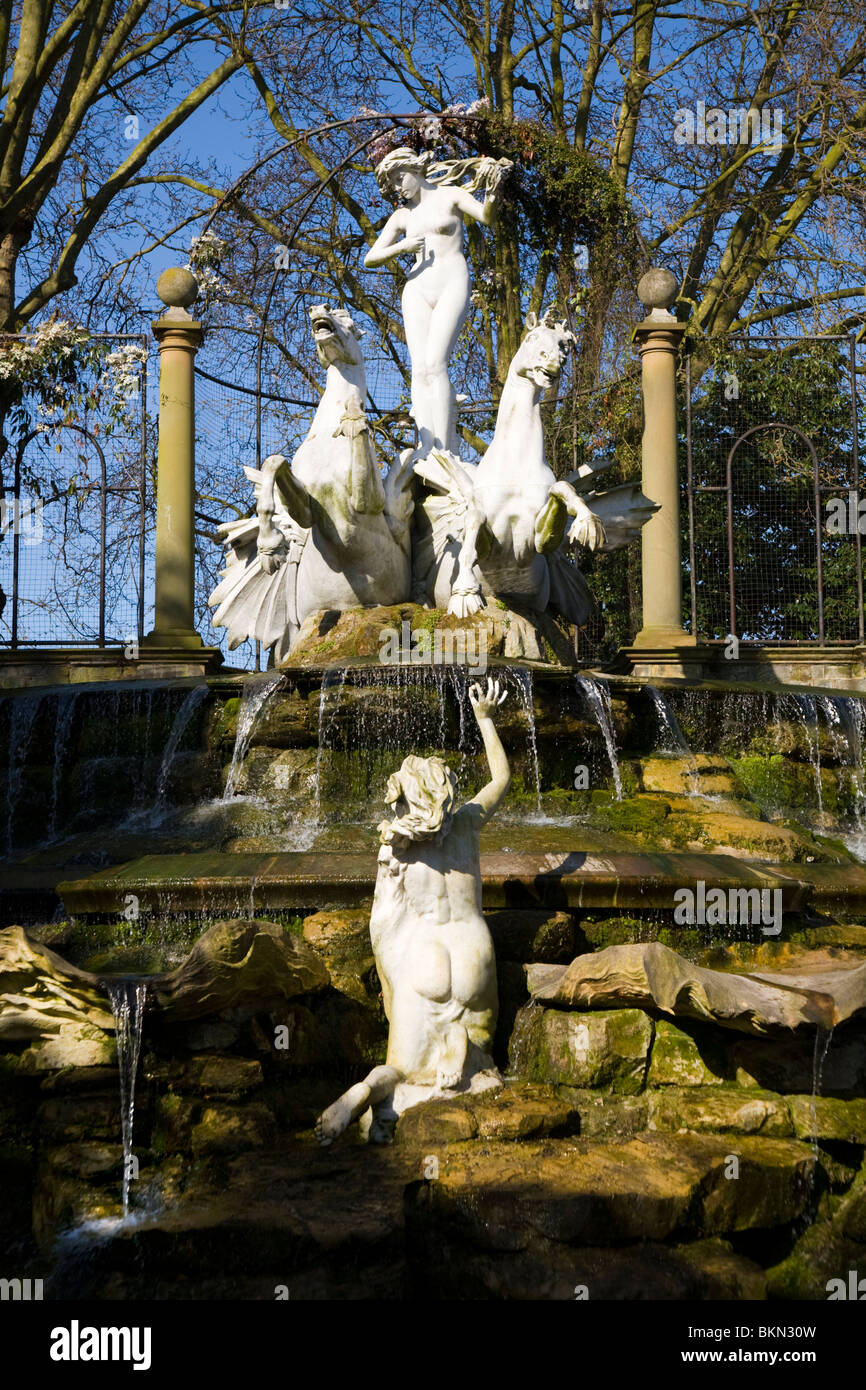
<point>597,694</point>
<point>823,1038</point>
<point>257,689</point>
<point>522,1038</point>
<point>25,708</point>
<point>673,734</point>
<point>182,720</point>
<point>807,709</point>
<point>523,679</point>
<point>66,703</point>
<point>128,997</point>
<point>852,715</point>
<point>327,708</point>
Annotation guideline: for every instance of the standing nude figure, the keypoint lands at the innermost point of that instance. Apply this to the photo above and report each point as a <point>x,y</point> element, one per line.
<point>433,949</point>
<point>436,294</point>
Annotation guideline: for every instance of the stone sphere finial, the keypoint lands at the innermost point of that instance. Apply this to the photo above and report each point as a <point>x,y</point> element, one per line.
<point>657,289</point>
<point>177,288</point>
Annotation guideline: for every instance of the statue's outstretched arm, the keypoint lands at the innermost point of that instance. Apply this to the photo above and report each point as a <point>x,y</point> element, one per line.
<point>483,704</point>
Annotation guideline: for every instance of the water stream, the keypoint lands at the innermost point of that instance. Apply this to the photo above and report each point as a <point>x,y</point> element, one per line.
<point>256,691</point>
<point>24,711</point>
<point>182,720</point>
<point>523,679</point>
<point>128,998</point>
<point>597,694</point>
<point>673,734</point>
<point>66,703</point>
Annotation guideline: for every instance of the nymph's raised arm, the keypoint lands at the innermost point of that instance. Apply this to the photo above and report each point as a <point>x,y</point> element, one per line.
<point>492,795</point>
<point>485,213</point>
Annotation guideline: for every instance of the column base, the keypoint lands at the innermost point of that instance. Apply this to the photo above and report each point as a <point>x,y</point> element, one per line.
<point>185,638</point>
<point>672,660</point>
<point>664,637</point>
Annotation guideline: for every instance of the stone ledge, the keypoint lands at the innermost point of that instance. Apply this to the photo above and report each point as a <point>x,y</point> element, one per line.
<point>216,882</point>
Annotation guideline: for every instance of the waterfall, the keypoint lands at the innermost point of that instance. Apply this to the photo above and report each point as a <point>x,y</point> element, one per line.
<point>522,1039</point>
<point>671,729</point>
<point>181,722</point>
<point>807,707</point>
<point>523,678</point>
<point>823,1038</point>
<point>127,1004</point>
<point>851,714</point>
<point>325,718</point>
<point>597,694</point>
<point>66,703</point>
<point>25,708</point>
<point>257,689</point>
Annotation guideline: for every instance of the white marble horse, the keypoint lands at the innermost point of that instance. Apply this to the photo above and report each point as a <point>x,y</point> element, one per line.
<point>328,532</point>
<point>497,529</point>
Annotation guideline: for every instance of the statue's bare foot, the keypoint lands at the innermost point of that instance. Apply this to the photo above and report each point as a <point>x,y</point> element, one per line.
<point>337,1118</point>
<point>333,1121</point>
<point>452,1058</point>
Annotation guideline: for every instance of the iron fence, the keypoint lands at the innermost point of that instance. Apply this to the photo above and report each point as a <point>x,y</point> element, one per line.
<point>73,538</point>
<point>772,445</point>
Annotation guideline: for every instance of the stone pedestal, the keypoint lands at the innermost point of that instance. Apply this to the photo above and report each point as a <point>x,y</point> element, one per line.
<point>174,634</point>
<point>658,338</point>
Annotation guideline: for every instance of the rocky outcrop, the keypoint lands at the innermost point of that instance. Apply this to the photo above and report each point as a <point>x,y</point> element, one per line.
<point>239,963</point>
<point>51,1005</point>
<point>651,975</point>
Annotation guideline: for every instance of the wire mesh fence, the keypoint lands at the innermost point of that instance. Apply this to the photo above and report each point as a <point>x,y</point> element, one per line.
<point>74,521</point>
<point>771,438</point>
<point>773,435</point>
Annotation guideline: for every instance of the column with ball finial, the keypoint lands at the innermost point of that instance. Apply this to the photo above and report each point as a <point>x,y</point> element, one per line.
<point>179,336</point>
<point>658,337</point>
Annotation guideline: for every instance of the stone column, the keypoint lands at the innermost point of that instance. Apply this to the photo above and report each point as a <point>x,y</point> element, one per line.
<point>179,336</point>
<point>658,337</point>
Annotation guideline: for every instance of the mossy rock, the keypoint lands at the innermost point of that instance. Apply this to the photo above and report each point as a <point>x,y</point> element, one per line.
<point>225,1130</point>
<point>684,1055</point>
<point>828,1117</point>
<point>719,1109</point>
<point>604,1048</point>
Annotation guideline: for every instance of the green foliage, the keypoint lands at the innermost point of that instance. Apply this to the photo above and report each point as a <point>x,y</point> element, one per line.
<point>565,196</point>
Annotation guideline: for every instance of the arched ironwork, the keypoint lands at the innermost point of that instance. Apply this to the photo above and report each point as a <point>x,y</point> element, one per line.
<point>729,487</point>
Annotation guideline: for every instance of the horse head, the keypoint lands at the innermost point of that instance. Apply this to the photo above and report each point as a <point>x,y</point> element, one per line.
<point>336,338</point>
<point>543,350</point>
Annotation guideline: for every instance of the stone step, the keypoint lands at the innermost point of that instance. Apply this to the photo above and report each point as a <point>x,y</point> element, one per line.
<point>216,883</point>
<point>357,1221</point>
<point>651,1187</point>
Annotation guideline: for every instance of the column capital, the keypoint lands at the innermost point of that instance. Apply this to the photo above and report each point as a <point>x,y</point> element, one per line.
<point>176,332</point>
<point>657,334</point>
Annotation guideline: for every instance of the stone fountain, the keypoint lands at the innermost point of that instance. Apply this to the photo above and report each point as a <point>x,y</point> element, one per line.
<point>565,1063</point>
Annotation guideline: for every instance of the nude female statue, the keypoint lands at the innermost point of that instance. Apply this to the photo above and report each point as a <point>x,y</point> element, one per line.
<point>436,294</point>
<point>433,949</point>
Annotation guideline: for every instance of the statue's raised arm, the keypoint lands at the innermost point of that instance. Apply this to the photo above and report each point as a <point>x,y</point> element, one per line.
<point>484,703</point>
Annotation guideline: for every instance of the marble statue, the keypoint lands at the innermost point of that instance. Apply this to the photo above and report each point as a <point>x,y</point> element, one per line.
<point>432,946</point>
<point>334,532</point>
<point>435,300</point>
<point>329,532</point>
